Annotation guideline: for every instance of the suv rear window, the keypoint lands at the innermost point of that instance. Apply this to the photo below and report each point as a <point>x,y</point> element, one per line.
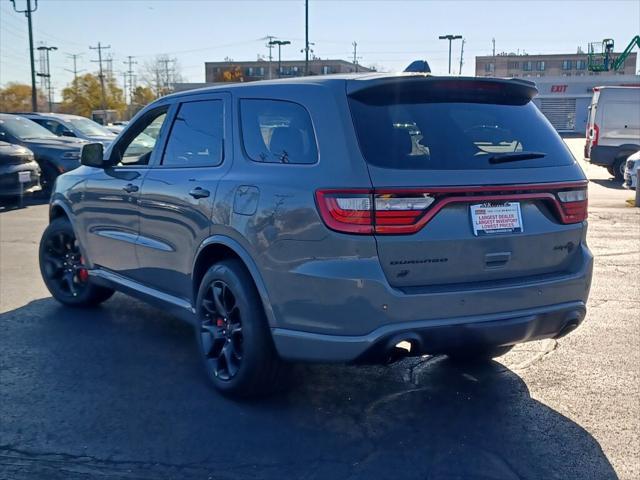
<point>277,131</point>
<point>450,135</point>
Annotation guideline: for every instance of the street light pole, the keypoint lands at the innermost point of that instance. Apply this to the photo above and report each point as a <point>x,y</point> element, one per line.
<point>27,12</point>
<point>306,37</point>
<point>450,38</point>
<point>279,43</point>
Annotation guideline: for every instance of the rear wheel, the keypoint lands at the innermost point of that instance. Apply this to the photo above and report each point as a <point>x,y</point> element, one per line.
<point>478,354</point>
<point>233,336</point>
<point>62,268</point>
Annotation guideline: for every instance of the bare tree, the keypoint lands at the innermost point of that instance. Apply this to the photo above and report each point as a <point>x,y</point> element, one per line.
<point>161,74</point>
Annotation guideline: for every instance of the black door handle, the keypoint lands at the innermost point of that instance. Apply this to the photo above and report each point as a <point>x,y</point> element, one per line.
<point>199,192</point>
<point>130,188</point>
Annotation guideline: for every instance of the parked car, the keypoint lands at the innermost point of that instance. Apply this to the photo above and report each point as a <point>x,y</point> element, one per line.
<point>613,127</point>
<point>19,172</point>
<point>115,129</point>
<point>65,125</point>
<point>55,155</point>
<point>339,219</point>
<point>631,171</point>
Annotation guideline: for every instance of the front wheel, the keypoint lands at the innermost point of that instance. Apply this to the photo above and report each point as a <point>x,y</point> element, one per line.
<point>478,354</point>
<point>233,335</point>
<point>63,270</point>
<point>617,169</point>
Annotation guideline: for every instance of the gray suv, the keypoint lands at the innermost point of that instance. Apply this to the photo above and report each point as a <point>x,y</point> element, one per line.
<point>349,219</point>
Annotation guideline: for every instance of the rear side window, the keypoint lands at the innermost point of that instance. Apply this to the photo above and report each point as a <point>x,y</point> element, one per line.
<point>277,132</point>
<point>196,135</point>
<point>454,135</point>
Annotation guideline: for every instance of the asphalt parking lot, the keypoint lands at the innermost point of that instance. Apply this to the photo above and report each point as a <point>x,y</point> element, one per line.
<point>118,392</point>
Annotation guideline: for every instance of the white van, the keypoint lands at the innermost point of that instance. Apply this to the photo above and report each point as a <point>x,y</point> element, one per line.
<point>613,129</point>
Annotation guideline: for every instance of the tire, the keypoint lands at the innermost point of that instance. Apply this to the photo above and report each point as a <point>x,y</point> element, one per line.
<point>478,355</point>
<point>48,178</point>
<point>62,270</point>
<point>233,336</point>
<point>617,170</point>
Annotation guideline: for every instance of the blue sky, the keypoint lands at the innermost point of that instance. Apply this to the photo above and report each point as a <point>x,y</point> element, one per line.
<point>390,34</point>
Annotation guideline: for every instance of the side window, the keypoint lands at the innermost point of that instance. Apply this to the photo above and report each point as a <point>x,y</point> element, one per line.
<point>196,135</point>
<point>277,131</point>
<point>137,147</point>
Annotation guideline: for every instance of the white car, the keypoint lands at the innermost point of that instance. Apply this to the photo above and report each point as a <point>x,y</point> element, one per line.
<point>631,171</point>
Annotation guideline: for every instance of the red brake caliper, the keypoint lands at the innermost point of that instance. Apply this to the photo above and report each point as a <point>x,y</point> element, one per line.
<point>83,273</point>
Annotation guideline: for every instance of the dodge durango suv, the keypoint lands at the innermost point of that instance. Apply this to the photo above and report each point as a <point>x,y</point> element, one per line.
<point>350,218</point>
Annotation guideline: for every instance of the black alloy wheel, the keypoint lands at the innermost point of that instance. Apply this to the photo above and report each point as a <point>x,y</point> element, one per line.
<point>221,331</point>
<point>63,268</point>
<point>233,334</point>
<point>63,265</point>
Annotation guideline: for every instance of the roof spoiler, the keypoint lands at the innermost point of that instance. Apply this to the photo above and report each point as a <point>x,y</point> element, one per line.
<point>443,89</point>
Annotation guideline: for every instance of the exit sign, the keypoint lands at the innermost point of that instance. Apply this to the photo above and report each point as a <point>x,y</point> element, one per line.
<point>558,88</point>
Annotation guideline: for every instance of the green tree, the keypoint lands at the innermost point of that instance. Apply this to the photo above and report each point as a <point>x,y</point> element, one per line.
<point>16,97</point>
<point>83,95</point>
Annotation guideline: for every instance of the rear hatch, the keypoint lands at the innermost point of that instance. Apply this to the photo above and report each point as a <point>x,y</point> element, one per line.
<point>470,181</point>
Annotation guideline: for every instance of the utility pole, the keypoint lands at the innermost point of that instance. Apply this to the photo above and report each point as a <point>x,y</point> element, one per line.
<point>269,39</point>
<point>280,43</point>
<point>46,73</point>
<point>306,37</point>
<point>130,62</point>
<point>27,12</point>
<point>166,62</point>
<point>100,48</point>
<point>75,71</point>
<point>450,38</point>
<point>461,56</point>
<point>493,41</point>
<point>355,55</point>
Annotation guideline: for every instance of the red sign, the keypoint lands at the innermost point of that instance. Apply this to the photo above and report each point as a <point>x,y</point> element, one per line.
<point>558,88</point>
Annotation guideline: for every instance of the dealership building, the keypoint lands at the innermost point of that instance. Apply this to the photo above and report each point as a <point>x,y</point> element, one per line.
<point>564,82</point>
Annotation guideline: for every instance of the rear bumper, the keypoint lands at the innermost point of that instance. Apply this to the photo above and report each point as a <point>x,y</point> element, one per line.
<point>363,323</point>
<point>433,336</point>
<point>603,155</point>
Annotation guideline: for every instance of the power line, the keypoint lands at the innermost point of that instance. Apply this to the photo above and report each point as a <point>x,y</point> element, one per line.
<point>100,48</point>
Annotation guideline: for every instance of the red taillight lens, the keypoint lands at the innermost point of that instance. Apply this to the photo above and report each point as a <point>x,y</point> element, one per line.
<point>362,211</point>
<point>400,212</point>
<point>348,211</point>
<point>596,135</point>
<point>574,205</point>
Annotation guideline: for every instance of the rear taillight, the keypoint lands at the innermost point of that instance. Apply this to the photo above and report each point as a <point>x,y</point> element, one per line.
<point>403,211</point>
<point>574,205</point>
<point>595,136</point>
<point>363,211</point>
<point>348,211</point>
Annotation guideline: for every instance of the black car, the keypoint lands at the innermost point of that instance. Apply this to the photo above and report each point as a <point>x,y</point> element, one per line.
<point>19,172</point>
<point>55,155</point>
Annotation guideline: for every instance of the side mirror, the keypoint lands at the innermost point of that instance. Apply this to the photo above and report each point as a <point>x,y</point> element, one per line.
<point>92,155</point>
<point>68,133</point>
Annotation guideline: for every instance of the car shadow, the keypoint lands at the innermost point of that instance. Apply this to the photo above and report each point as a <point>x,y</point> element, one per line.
<point>119,390</point>
<point>608,182</point>
<point>17,204</point>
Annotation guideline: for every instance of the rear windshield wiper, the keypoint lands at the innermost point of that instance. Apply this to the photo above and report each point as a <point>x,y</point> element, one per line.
<point>515,156</point>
